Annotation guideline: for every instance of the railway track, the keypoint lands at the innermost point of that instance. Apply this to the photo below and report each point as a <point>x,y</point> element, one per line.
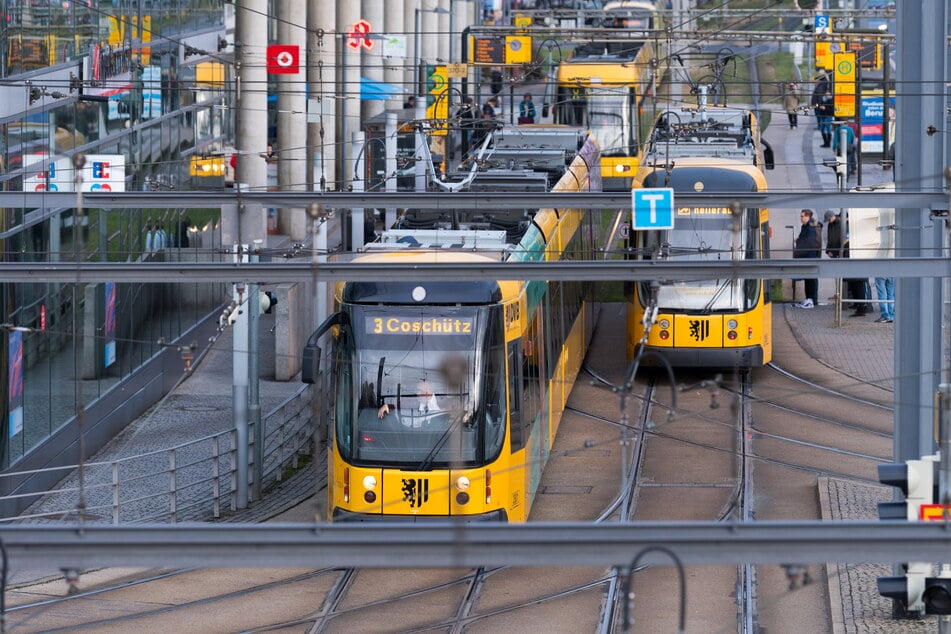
<point>739,448</point>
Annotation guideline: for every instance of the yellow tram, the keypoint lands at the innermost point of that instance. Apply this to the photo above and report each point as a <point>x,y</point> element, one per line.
<point>723,321</point>
<point>448,395</point>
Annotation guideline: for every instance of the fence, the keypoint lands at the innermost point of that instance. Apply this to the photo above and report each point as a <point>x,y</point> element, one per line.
<point>192,481</point>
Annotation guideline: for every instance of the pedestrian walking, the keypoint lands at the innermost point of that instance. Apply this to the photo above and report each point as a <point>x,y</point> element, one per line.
<point>808,244</point>
<point>885,293</point>
<point>791,104</point>
<point>826,113</point>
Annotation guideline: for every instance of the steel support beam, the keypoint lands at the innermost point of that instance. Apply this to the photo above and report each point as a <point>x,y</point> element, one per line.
<point>934,201</point>
<point>584,270</point>
<point>423,545</point>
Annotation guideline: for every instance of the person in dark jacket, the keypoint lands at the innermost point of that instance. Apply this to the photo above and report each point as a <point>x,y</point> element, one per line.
<point>833,237</point>
<point>826,114</point>
<point>809,245</point>
<point>467,121</point>
<point>833,234</point>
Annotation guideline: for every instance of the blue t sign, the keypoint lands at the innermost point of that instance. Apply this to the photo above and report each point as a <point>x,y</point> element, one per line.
<point>653,208</point>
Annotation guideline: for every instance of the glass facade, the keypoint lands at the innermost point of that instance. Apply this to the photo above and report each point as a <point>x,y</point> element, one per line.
<point>138,113</point>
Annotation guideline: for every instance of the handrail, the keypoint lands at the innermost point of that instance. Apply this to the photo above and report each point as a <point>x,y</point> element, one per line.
<point>188,482</point>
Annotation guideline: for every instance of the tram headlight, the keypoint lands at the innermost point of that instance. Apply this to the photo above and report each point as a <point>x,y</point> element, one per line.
<point>732,324</point>
<point>664,323</point>
<point>462,483</point>
<point>369,483</point>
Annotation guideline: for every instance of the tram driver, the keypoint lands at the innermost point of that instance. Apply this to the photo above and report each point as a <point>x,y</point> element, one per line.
<point>427,401</point>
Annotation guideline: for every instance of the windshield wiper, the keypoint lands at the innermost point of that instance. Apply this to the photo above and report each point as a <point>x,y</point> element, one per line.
<point>427,462</point>
<point>707,309</point>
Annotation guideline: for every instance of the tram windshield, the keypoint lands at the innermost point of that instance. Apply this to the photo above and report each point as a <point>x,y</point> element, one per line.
<point>706,240</point>
<point>423,386</point>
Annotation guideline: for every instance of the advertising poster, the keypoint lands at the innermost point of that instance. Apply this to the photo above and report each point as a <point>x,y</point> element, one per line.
<point>16,383</point>
<point>109,331</point>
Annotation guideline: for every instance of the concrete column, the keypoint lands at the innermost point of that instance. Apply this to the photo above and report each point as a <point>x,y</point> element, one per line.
<point>358,173</point>
<point>410,66</point>
<point>372,59</point>
<point>392,122</point>
<point>291,126</point>
<point>443,19</point>
<point>348,93</point>
<point>428,32</point>
<point>394,68</point>
<point>322,86</point>
<point>251,111</point>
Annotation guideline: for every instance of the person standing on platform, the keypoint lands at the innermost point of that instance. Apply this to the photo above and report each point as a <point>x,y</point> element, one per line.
<point>467,118</point>
<point>833,237</point>
<point>791,104</point>
<point>822,85</point>
<point>885,292</point>
<point>851,149</point>
<point>809,245</point>
<point>488,109</point>
<point>858,289</point>
<point>526,110</point>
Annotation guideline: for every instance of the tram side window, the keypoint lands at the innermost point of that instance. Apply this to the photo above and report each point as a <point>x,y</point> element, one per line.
<point>495,391</point>
<point>533,371</point>
<point>764,253</point>
<point>556,323</point>
<point>751,287</point>
<point>344,397</point>
<point>515,393</point>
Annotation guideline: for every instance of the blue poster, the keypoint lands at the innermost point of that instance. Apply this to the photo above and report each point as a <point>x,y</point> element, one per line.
<point>15,383</point>
<point>109,332</point>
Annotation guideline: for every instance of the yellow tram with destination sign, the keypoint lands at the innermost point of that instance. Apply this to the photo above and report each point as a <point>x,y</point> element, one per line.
<point>723,321</point>
<point>448,394</point>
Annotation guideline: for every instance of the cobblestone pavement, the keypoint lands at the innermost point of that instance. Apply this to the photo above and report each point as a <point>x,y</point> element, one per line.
<point>862,350</point>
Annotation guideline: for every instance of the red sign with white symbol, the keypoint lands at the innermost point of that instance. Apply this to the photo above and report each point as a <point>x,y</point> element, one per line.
<point>283,59</point>
<point>360,35</point>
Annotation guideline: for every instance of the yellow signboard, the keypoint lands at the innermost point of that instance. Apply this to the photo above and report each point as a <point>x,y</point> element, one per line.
<point>843,85</point>
<point>457,71</point>
<point>518,49</point>
<point>933,512</point>
<point>437,102</point>
<point>824,53</point>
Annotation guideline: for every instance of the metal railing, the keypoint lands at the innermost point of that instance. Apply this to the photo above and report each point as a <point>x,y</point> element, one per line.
<point>192,481</point>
